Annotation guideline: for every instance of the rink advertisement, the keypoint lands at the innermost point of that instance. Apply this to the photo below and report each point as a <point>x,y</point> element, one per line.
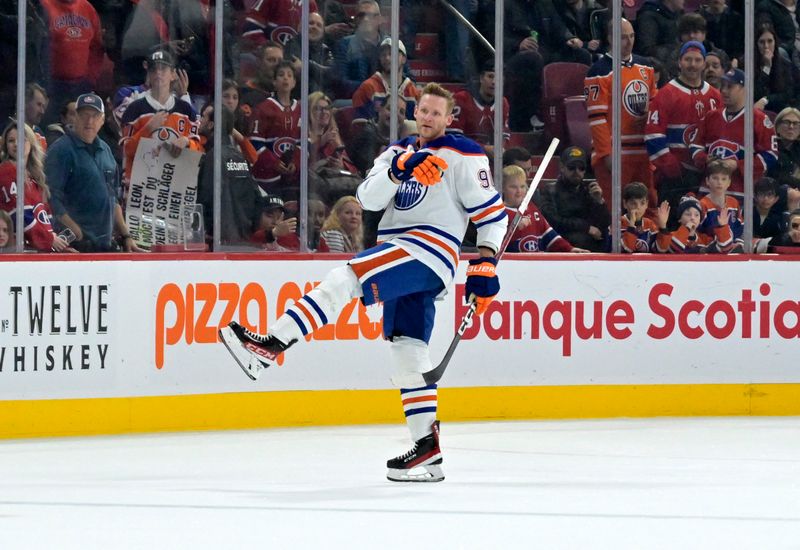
<point>137,330</point>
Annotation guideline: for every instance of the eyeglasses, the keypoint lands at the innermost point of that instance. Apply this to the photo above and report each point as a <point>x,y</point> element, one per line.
<point>321,109</point>
<point>790,122</point>
<point>362,14</point>
<point>577,167</point>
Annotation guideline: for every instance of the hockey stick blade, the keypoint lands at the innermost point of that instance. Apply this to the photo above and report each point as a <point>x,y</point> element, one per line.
<point>433,376</point>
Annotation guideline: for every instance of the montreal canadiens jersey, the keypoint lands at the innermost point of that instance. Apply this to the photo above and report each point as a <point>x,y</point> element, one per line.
<point>274,20</point>
<point>38,231</point>
<point>275,135</point>
<point>638,88</point>
<point>674,114</point>
<point>538,236</point>
<point>721,137</point>
<point>475,119</point>
<point>429,222</point>
<point>181,121</point>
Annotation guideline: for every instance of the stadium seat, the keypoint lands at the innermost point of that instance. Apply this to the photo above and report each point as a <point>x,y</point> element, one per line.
<point>560,80</point>
<point>578,123</point>
<point>552,170</point>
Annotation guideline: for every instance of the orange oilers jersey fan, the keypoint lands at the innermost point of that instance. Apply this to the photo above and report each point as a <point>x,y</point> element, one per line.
<point>638,88</point>
<point>181,121</point>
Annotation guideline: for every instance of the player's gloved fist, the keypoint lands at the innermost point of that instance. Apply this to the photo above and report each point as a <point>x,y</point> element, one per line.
<point>404,164</point>
<point>482,283</point>
<point>430,170</point>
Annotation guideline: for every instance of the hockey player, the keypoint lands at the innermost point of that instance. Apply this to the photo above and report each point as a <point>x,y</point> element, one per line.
<point>430,186</point>
<point>720,135</point>
<point>674,113</point>
<point>638,88</point>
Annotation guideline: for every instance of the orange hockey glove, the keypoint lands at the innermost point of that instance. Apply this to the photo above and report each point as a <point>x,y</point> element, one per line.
<point>430,171</point>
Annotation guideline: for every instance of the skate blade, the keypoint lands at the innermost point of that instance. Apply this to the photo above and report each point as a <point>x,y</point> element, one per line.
<point>429,473</point>
<point>249,365</point>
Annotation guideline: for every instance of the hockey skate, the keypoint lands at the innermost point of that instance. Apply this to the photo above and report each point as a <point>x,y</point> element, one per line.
<point>253,352</point>
<point>422,463</point>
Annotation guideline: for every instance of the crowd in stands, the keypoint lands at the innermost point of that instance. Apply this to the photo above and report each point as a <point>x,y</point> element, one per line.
<point>103,75</point>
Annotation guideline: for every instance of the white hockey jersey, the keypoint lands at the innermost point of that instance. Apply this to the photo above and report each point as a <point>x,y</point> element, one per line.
<point>429,222</point>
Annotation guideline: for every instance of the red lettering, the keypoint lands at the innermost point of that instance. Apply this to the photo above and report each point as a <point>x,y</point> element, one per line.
<point>783,309</point>
<point>619,313</point>
<point>596,328</point>
<point>461,309</point>
<point>692,306</point>
<point>653,331</point>
<point>746,306</point>
<point>563,331</point>
<point>763,310</point>
<point>725,309</point>
<point>521,308</point>
<point>500,332</point>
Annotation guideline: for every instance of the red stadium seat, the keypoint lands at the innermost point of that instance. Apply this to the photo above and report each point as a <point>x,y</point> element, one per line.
<point>560,80</point>
<point>578,123</point>
<point>552,170</point>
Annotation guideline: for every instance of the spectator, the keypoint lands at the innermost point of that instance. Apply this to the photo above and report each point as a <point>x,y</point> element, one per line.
<point>376,87</point>
<point>230,99</point>
<point>332,173</point>
<point>674,112</point>
<point>782,15</point>
<point>721,210</point>
<point>717,64</point>
<point>639,85</point>
<point>791,235</point>
<point>7,239</point>
<point>576,15</point>
<point>720,135</point>
<point>343,230</point>
<point>775,80</point>
<point>275,232</point>
<point>276,136</point>
<point>257,90</point>
<point>533,234</point>
<point>638,233</point>
<point>691,28</point>
<point>657,27</point>
<point>317,214</point>
<point>371,137</point>
<point>725,27</point>
<point>159,114</point>
<point>787,168</point>
<point>321,77</point>
<point>574,208</point>
<point>206,132</point>
<point>36,102</point>
<point>239,193</point>
<point>356,56</point>
<point>534,36</point>
<point>273,20</point>
<point>75,51</point>
<point>686,239</point>
<point>66,121</point>
<point>519,156</point>
<point>767,216</point>
<point>39,233</point>
<point>473,114</point>
<point>85,183</point>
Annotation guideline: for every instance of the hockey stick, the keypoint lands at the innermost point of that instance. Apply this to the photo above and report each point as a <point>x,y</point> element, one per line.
<point>433,376</point>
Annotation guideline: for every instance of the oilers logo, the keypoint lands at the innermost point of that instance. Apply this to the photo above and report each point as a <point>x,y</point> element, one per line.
<point>635,98</point>
<point>409,194</point>
<point>724,149</point>
<point>165,133</point>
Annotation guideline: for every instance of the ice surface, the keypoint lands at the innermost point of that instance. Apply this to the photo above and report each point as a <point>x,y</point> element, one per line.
<point>710,483</point>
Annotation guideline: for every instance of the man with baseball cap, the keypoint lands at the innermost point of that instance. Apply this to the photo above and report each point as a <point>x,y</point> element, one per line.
<point>374,90</point>
<point>674,112</point>
<point>720,135</point>
<point>273,232</point>
<point>84,182</point>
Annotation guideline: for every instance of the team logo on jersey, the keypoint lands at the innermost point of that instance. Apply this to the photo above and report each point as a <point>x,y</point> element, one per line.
<point>768,122</point>
<point>283,145</point>
<point>165,133</point>
<point>529,243</point>
<point>409,194</point>
<point>282,35</point>
<point>641,246</point>
<point>635,98</point>
<point>724,149</point>
<point>689,134</point>
<point>74,32</point>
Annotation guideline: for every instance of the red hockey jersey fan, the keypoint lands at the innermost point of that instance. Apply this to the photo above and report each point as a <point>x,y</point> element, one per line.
<point>274,20</point>
<point>537,235</point>
<point>476,119</point>
<point>276,135</point>
<point>38,231</point>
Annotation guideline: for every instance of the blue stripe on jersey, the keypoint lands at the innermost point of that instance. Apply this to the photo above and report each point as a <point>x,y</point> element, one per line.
<point>420,411</point>
<point>495,219</point>
<point>297,320</point>
<point>316,307</point>
<point>655,145</point>
<point>484,205</point>
<point>424,228</point>
<point>430,249</point>
<point>428,387</point>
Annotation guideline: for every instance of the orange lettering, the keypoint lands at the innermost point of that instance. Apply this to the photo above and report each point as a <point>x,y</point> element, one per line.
<point>169,294</point>
<point>345,330</point>
<point>203,332</point>
<point>229,292</point>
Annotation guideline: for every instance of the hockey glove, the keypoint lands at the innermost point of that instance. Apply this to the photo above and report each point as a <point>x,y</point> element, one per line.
<point>482,283</point>
<point>423,166</point>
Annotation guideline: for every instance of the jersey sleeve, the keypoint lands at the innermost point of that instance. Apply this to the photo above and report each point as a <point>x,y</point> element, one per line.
<point>598,108</point>
<point>655,139</point>
<point>377,190</point>
<point>476,190</point>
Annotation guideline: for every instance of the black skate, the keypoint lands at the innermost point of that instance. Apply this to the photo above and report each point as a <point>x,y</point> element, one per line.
<point>422,463</point>
<point>253,352</point>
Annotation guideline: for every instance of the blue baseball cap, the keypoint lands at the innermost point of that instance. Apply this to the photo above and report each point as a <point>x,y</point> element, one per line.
<point>734,76</point>
<point>693,45</point>
<point>90,100</point>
